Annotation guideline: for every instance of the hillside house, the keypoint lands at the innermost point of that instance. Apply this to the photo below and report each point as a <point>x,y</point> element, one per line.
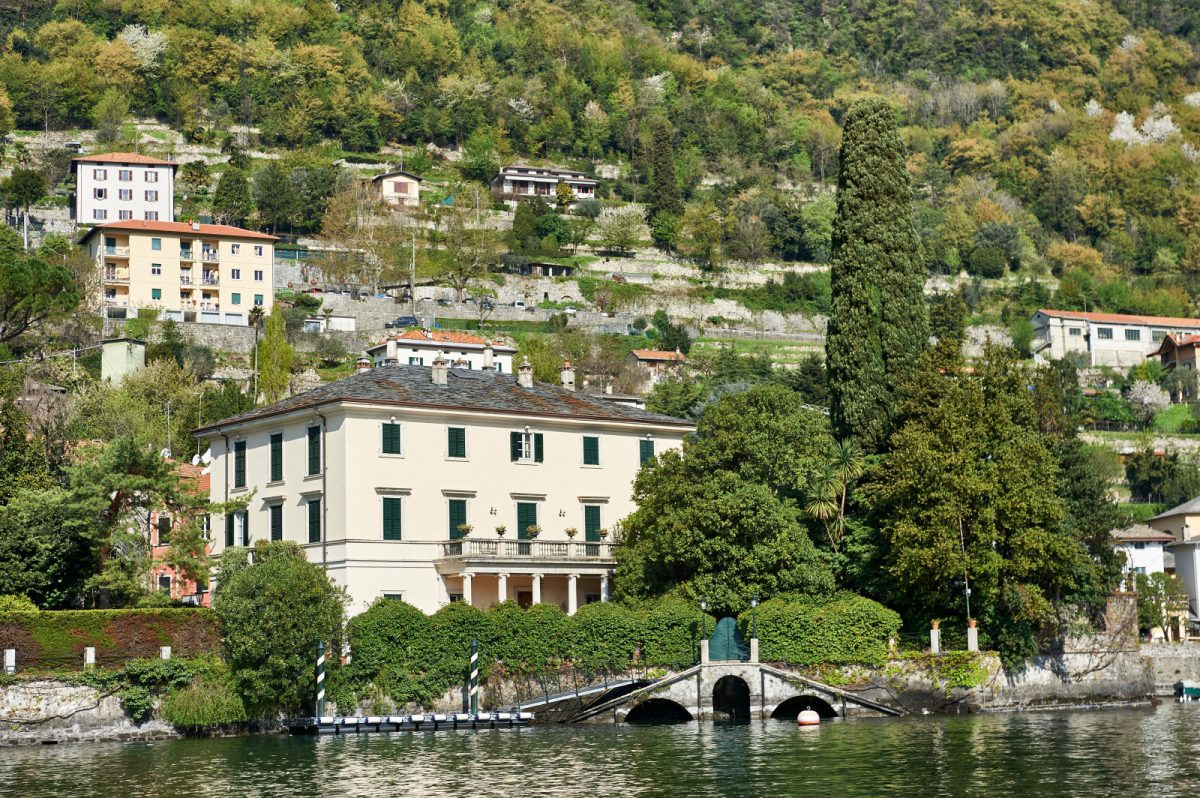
<point>519,182</point>
<point>652,366</point>
<point>1104,339</point>
<point>123,186</point>
<point>397,187</point>
<point>416,347</point>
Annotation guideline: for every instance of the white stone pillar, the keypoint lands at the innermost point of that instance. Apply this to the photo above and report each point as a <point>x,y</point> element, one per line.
<point>604,588</point>
<point>164,652</point>
<point>537,588</point>
<point>753,650</point>
<point>501,587</point>
<point>466,588</point>
<point>572,593</point>
<point>972,637</point>
<point>89,657</point>
<point>10,660</point>
<point>703,651</point>
<point>935,641</point>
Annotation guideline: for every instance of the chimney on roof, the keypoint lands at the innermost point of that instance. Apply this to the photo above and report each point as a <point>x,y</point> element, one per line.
<point>390,355</point>
<point>489,356</point>
<point>195,225</point>
<point>567,375</point>
<point>525,374</point>
<point>460,362</point>
<point>363,363</point>
<point>440,371</point>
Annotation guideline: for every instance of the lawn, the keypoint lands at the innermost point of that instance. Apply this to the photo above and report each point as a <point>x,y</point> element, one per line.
<point>1173,418</point>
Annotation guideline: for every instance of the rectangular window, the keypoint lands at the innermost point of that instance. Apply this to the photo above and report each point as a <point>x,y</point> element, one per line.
<point>152,177</point>
<point>234,249</point>
<point>125,174</point>
<point>391,438</point>
<point>125,194</point>
<point>239,464</point>
<point>276,456</point>
<point>591,450</point>
<point>416,361</point>
<point>258,250</point>
<point>99,214</point>
<point>151,216</point>
<point>314,450</point>
<point>235,274</point>
<point>526,517</point>
<point>125,216</point>
<point>393,597</point>
<point>156,293</point>
<point>100,174</point>
<point>391,518</point>
<point>1133,335</point>
<point>151,196</point>
<point>314,520</point>
<point>258,300</point>
<point>276,511</point>
<point>591,523</point>
<point>258,275</point>
<point>456,442</point>
<point>526,447</point>
<point>100,193</point>
<point>237,529</point>
<point>156,244</point>
<point>156,268</point>
<point>457,517</point>
<point>1075,331</point>
<point>235,299</point>
<point>1104,333</point>
<point>1157,336</point>
<point>645,450</point>
<point>164,530</point>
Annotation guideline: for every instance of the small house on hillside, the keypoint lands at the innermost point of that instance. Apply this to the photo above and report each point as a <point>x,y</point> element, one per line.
<point>397,187</point>
<point>652,366</point>
<point>518,182</point>
<point>1104,339</point>
<point>421,347</point>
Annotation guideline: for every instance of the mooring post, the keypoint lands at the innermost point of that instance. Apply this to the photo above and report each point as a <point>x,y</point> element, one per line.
<point>972,635</point>
<point>320,680</point>
<point>10,660</point>
<point>474,676</point>
<point>89,657</point>
<point>935,641</point>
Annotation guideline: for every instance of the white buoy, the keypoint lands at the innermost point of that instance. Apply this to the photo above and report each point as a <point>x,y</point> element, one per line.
<point>808,718</point>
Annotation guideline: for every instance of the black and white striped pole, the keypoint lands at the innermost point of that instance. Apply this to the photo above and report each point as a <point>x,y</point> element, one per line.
<point>474,677</point>
<point>320,679</point>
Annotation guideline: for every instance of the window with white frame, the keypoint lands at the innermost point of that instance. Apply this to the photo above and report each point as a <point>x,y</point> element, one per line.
<point>258,250</point>
<point>155,269</point>
<point>258,275</point>
<point>235,249</point>
<point>125,215</point>
<point>99,214</point>
<point>125,174</point>
<point>526,446</point>
<point>1104,333</point>
<point>151,176</point>
<point>1133,335</point>
<point>151,216</point>
<point>100,174</point>
<point>125,194</point>
<point>151,196</point>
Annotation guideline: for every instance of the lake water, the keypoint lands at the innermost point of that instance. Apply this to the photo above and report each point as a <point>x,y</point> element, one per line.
<point>1130,752</point>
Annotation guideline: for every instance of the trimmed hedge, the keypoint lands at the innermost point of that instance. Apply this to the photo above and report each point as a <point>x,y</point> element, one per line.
<point>846,630</point>
<point>56,640</point>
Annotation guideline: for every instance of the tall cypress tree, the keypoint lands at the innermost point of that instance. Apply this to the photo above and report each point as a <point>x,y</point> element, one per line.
<point>877,323</point>
<point>665,202</point>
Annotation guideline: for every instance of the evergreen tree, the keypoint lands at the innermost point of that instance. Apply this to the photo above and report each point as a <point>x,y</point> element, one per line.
<point>665,203</point>
<point>231,202</point>
<point>523,238</point>
<point>877,324</point>
<point>274,360</point>
<point>275,196</point>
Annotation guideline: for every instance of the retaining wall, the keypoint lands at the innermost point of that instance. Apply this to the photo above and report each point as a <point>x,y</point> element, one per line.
<point>50,711</point>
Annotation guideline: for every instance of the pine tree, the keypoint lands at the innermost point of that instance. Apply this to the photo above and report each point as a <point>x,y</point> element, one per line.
<point>877,324</point>
<point>231,202</point>
<point>274,360</point>
<point>665,203</point>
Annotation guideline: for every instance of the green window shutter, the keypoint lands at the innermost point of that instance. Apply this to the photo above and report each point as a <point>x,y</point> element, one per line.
<point>276,456</point>
<point>245,527</point>
<point>456,442</point>
<point>314,450</point>
<point>276,522</point>
<point>164,530</point>
<point>239,464</point>
<point>591,450</point>
<point>391,438</point>
<point>458,517</point>
<point>526,517</point>
<point>645,450</point>
<point>538,448</point>
<point>591,523</point>
<point>314,520</point>
<point>514,445</point>
<point>391,518</point>
<point>229,530</point>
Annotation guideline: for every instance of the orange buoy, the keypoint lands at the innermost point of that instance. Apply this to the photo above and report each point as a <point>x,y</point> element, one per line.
<point>808,718</point>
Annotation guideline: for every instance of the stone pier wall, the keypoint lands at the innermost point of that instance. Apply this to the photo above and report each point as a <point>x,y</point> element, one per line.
<point>50,711</point>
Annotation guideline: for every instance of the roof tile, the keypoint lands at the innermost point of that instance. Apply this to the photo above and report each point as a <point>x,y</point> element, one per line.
<point>124,157</point>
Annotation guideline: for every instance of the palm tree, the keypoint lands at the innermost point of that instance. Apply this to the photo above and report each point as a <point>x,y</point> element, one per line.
<point>848,464</point>
<point>830,488</point>
<point>821,501</point>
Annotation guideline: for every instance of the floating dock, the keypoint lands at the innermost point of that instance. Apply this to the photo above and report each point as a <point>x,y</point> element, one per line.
<point>409,723</point>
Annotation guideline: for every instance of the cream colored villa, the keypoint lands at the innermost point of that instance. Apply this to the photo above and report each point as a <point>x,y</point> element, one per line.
<point>434,484</point>
<point>210,273</point>
<point>119,186</point>
<point>415,347</point>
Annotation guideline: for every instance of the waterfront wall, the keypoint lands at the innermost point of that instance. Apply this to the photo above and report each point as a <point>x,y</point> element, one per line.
<point>51,711</point>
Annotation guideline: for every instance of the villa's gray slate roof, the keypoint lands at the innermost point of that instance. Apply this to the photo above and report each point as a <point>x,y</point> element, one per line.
<point>1187,508</point>
<point>1140,532</point>
<point>483,391</point>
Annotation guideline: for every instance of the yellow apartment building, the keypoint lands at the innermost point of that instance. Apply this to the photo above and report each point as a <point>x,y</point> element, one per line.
<point>210,273</point>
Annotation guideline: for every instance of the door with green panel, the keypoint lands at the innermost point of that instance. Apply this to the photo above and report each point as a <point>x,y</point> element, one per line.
<point>526,517</point>
<point>591,529</point>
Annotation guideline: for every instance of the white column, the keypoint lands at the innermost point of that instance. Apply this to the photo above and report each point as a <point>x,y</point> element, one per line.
<point>502,587</point>
<point>537,588</point>
<point>10,660</point>
<point>604,587</point>
<point>89,657</point>
<point>164,652</point>
<point>466,588</point>
<point>572,594</point>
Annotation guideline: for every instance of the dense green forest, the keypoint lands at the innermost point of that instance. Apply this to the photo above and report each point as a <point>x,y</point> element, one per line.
<point>1044,137</point>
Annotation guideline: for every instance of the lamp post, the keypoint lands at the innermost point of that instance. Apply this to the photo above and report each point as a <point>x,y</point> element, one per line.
<point>700,639</point>
<point>753,608</point>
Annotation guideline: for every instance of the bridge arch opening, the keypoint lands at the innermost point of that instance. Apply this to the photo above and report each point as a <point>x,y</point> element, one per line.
<point>658,710</point>
<point>791,709</point>
<point>731,698</point>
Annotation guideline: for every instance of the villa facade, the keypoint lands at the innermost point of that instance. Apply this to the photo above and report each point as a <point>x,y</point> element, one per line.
<point>123,186</point>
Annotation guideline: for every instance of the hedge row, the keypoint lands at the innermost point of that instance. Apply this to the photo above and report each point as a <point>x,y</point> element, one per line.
<point>411,657</point>
<point>56,640</point>
<point>847,630</point>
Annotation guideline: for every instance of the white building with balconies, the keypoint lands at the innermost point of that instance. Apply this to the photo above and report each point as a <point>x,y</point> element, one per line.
<point>416,347</point>
<point>435,484</point>
<point>123,186</point>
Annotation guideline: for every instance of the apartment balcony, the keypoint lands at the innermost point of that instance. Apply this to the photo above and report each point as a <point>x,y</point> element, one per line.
<point>116,301</point>
<point>208,305</point>
<point>114,277</point>
<point>116,252</point>
<point>210,255</point>
<point>210,280</point>
<point>185,254</point>
<point>185,279</point>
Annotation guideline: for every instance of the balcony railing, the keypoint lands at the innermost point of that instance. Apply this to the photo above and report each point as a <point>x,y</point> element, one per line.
<point>117,252</point>
<point>532,549</point>
<point>114,276</point>
<point>185,279</point>
<point>211,280</point>
<point>185,254</point>
<point>210,255</point>
<point>210,306</point>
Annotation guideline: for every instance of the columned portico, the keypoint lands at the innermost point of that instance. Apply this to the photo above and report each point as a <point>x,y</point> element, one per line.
<point>502,587</point>
<point>467,593</point>
<point>537,588</point>
<point>572,593</point>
